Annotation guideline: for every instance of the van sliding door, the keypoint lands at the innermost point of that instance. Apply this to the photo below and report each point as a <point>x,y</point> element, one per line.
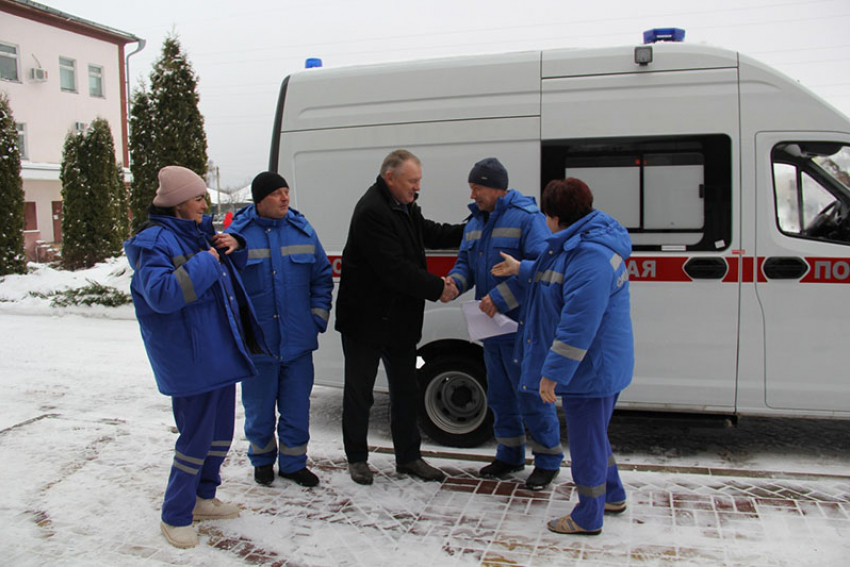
<point>674,195</point>
<point>658,150</point>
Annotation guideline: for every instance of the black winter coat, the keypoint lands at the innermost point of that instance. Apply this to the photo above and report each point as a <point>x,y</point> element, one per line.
<point>384,280</point>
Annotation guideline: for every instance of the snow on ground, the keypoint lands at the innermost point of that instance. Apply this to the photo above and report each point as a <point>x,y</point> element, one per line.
<point>86,442</point>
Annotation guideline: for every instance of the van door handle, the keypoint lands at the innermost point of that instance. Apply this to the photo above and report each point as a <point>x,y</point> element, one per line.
<point>784,267</point>
<point>706,268</point>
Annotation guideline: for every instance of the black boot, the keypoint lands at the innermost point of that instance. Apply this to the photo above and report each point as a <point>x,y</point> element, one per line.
<point>499,469</point>
<point>264,474</point>
<point>540,478</point>
<point>303,477</point>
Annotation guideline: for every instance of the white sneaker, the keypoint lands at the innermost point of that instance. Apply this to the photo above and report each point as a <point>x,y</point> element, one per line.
<point>183,537</point>
<point>214,509</point>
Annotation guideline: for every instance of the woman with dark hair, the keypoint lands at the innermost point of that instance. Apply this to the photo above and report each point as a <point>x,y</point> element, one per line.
<point>199,329</point>
<point>576,339</point>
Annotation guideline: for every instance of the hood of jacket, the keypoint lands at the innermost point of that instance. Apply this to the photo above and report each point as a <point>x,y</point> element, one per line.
<point>597,228</point>
<point>248,214</point>
<point>512,198</point>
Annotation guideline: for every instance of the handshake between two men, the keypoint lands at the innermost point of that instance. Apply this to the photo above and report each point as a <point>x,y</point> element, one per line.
<point>508,267</point>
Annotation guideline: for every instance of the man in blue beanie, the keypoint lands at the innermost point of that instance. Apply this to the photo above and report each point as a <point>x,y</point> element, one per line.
<point>289,280</point>
<point>504,220</point>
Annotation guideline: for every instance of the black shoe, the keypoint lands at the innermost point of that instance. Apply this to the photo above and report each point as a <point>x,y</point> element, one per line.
<point>264,474</point>
<point>303,477</point>
<point>540,478</point>
<point>499,469</point>
<point>360,473</point>
<point>421,469</point>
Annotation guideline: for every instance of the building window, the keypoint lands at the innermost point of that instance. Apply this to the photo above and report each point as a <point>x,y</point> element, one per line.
<point>9,62</point>
<point>22,139</point>
<point>96,81</point>
<point>68,75</point>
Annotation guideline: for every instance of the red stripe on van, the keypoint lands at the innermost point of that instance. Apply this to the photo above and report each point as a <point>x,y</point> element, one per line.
<point>671,269</point>
<point>827,270</point>
<point>657,269</point>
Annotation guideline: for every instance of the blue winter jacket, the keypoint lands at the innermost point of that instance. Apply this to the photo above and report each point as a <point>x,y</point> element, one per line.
<point>516,227</point>
<point>576,327</point>
<point>195,317</point>
<point>289,279</point>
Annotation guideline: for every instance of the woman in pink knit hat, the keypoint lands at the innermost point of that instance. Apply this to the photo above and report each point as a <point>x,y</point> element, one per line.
<point>199,330</point>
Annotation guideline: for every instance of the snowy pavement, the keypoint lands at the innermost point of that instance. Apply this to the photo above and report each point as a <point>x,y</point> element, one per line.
<point>86,443</point>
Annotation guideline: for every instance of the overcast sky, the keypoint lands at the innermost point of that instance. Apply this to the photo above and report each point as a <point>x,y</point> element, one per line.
<point>242,50</point>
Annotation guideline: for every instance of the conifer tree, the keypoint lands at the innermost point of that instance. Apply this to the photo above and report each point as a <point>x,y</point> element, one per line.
<point>12,219</point>
<point>180,138</point>
<point>74,197</point>
<point>89,187</point>
<point>143,163</point>
<point>166,127</point>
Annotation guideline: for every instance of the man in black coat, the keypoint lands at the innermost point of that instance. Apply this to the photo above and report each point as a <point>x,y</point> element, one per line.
<point>382,291</point>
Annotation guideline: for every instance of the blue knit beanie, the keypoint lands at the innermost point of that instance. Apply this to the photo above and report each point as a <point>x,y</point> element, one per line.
<point>489,172</point>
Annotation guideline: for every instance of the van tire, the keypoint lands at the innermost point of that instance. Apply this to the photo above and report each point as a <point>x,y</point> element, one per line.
<point>453,409</point>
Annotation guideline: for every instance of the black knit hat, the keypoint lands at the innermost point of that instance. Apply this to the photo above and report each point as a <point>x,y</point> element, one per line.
<point>489,172</point>
<point>265,183</point>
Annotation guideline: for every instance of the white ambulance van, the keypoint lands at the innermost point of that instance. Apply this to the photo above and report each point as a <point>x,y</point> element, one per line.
<point>731,178</point>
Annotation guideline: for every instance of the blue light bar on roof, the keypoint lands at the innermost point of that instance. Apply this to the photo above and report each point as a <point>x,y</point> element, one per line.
<point>312,63</point>
<point>663,34</point>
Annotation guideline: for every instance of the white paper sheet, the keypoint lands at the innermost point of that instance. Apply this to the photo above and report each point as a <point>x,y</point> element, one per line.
<point>481,326</point>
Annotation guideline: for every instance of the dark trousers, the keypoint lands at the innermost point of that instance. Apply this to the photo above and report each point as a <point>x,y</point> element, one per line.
<point>361,367</point>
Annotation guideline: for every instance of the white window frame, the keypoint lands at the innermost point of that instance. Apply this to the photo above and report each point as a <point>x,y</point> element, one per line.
<point>22,139</point>
<point>16,57</point>
<point>96,72</point>
<point>64,67</point>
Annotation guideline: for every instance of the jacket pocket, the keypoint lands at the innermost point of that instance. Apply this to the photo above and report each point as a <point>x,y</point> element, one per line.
<point>253,275</point>
<point>301,268</point>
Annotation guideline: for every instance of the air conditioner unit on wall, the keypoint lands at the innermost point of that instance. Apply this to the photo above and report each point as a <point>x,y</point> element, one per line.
<point>38,75</point>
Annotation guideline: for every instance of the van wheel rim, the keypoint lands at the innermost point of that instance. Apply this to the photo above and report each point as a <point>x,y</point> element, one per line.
<point>456,402</point>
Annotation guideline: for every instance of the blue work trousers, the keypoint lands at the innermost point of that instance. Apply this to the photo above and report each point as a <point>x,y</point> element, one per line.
<point>594,469</point>
<point>205,424</point>
<point>511,407</point>
<point>285,387</point>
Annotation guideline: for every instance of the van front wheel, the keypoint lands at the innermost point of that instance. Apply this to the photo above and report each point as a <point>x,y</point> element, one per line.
<point>454,409</point>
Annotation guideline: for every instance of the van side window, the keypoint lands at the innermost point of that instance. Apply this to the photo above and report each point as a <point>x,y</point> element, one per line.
<point>671,193</point>
<point>811,188</point>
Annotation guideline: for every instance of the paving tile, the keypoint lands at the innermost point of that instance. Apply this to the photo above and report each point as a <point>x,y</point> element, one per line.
<point>681,516</point>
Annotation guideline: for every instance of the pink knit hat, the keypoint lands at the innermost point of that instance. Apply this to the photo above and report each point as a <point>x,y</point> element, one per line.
<point>176,185</point>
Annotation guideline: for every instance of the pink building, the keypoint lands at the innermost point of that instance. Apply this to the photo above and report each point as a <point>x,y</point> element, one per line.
<point>59,72</point>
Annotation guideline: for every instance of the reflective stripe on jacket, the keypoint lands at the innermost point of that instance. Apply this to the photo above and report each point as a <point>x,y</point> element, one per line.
<point>576,324</point>
<point>289,279</point>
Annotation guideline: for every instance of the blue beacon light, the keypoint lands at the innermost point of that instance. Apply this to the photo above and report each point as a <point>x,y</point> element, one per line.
<point>663,34</point>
